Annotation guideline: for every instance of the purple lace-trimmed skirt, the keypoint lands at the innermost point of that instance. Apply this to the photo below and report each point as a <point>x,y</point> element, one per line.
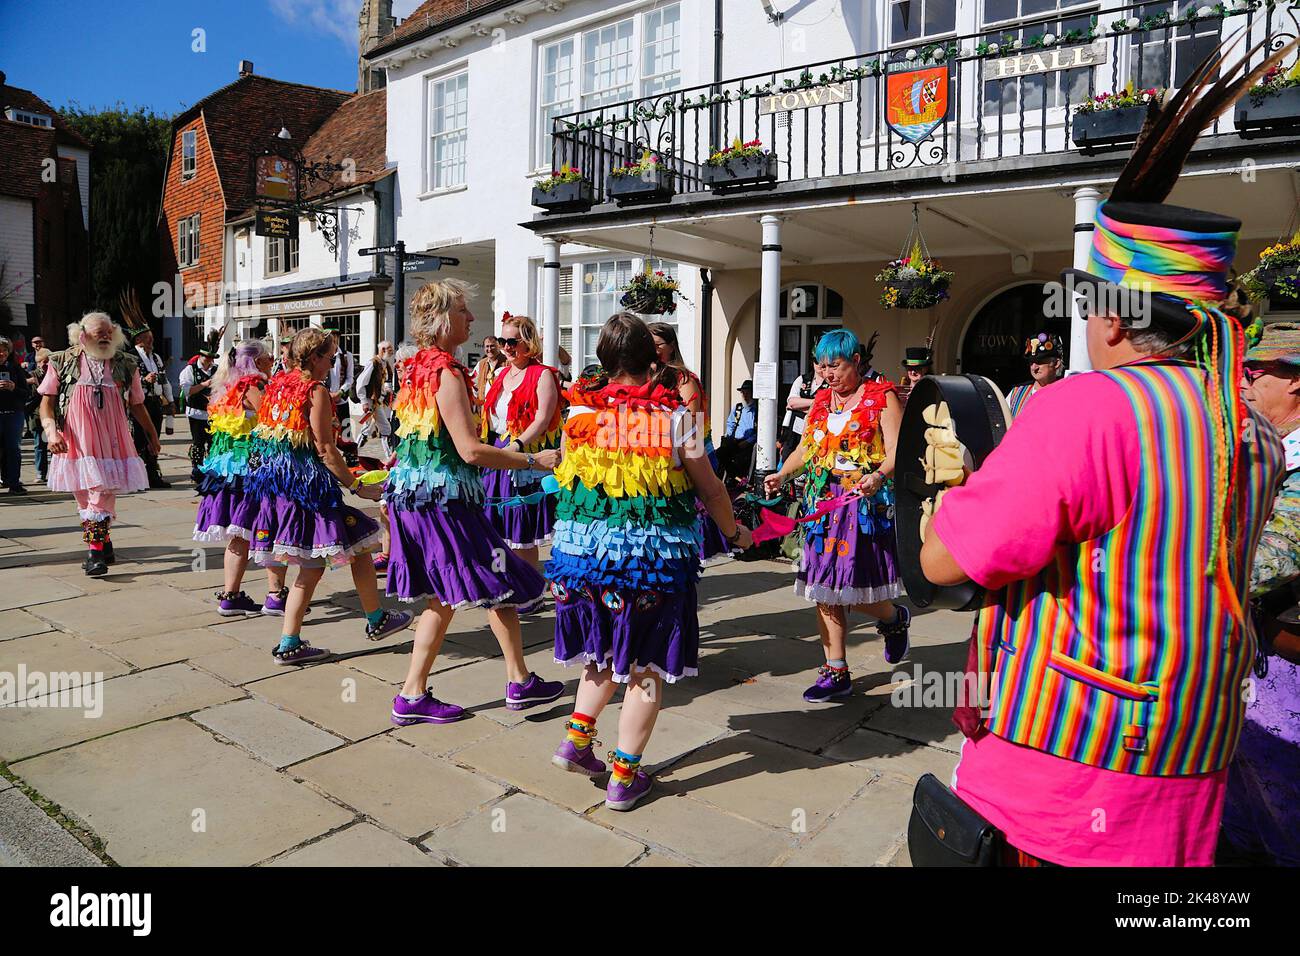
<point>629,631</point>
<point>285,532</point>
<point>1261,810</point>
<point>712,542</point>
<point>452,554</point>
<point>522,526</point>
<point>216,519</point>
<point>843,564</point>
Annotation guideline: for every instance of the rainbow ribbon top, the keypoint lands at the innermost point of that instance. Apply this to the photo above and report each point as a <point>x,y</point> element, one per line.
<point>231,424</point>
<point>625,511</point>
<point>857,450</point>
<point>282,445</point>
<point>1182,263</point>
<point>428,471</point>
<point>521,410</point>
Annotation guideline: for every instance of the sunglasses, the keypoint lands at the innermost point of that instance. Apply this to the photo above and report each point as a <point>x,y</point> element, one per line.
<point>507,343</point>
<point>1254,372</point>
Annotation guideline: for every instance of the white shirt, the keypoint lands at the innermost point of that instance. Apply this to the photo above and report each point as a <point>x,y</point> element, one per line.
<point>344,383</point>
<point>188,380</point>
<point>150,363</point>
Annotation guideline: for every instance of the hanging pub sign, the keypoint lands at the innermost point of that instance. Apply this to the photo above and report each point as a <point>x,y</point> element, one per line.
<point>276,177</point>
<point>276,224</point>
<point>1045,61</point>
<point>916,102</point>
<point>790,100</point>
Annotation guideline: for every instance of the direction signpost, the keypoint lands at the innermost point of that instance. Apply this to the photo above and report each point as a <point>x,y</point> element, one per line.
<point>412,262</point>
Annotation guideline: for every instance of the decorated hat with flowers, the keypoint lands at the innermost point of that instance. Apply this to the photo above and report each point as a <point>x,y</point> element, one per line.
<point>1044,347</point>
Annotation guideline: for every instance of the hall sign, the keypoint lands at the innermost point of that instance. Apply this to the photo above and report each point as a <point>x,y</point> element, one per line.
<point>274,224</point>
<point>1045,61</point>
<point>791,100</point>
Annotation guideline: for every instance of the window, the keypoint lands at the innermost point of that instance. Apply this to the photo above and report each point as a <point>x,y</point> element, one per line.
<point>606,65</point>
<point>807,312</point>
<point>349,326</point>
<point>1167,57</point>
<point>189,154</point>
<point>566,314</point>
<point>448,131</point>
<point>921,19</point>
<point>601,288</point>
<point>281,256</point>
<point>28,117</point>
<point>187,241</point>
<point>1051,90</point>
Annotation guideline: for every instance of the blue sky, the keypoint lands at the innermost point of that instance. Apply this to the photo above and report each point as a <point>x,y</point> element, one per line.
<point>141,52</point>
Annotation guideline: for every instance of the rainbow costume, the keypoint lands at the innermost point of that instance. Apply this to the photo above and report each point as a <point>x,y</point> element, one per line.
<point>443,546</point>
<point>292,502</point>
<point>849,555</point>
<point>506,416</point>
<point>225,467</point>
<point>625,558</point>
<point>712,541</point>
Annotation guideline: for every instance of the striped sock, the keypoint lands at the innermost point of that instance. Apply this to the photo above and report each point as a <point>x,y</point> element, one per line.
<point>839,664</point>
<point>625,766</point>
<point>582,729</point>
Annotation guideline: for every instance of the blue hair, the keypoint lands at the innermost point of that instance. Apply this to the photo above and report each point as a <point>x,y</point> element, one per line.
<point>840,344</point>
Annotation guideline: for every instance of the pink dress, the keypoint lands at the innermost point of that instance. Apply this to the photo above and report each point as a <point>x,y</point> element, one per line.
<point>101,455</point>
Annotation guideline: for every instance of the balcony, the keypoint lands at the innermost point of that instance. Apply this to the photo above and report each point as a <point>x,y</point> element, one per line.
<point>995,99</point>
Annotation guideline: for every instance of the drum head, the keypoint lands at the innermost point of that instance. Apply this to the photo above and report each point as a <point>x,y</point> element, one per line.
<point>981,418</point>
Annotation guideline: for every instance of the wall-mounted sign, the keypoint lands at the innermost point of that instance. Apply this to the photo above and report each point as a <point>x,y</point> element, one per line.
<point>785,102</point>
<point>1045,61</point>
<point>916,102</point>
<point>276,177</point>
<point>274,224</point>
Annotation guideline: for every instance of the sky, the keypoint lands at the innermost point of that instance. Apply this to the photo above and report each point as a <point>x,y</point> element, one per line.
<point>168,54</point>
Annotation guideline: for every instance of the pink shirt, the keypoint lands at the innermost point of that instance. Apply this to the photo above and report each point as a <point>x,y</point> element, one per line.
<point>1066,472</point>
<point>50,383</point>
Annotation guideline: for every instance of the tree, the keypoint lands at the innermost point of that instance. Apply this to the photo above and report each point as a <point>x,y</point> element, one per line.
<point>127,166</point>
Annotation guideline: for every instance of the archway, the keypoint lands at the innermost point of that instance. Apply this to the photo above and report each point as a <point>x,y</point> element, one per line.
<point>993,344</point>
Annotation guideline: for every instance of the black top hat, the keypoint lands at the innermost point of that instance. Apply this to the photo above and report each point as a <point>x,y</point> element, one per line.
<point>1044,347</point>
<point>746,386</point>
<point>918,357</point>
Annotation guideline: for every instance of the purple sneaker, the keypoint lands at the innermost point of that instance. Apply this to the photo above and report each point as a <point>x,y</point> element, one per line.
<point>624,796</point>
<point>895,635</point>
<point>532,692</point>
<point>831,685</point>
<point>390,623</point>
<point>427,710</point>
<point>275,603</point>
<point>236,604</point>
<point>577,759</point>
<point>303,653</point>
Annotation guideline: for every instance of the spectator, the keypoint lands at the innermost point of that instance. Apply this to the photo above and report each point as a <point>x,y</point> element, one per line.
<point>41,452</point>
<point>737,446</point>
<point>13,414</point>
<point>343,374</point>
<point>493,358</point>
<point>375,391</point>
<point>196,386</point>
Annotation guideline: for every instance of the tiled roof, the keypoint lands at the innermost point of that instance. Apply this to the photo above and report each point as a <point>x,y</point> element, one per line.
<point>355,133</point>
<point>430,17</point>
<point>22,99</point>
<point>23,150</point>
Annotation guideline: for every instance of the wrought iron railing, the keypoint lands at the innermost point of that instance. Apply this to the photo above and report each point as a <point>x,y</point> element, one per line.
<point>837,121</point>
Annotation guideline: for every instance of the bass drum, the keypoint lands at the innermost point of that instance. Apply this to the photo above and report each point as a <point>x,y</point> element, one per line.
<point>980,419</point>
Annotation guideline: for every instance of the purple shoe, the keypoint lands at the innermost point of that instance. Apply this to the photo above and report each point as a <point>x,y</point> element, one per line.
<point>390,623</point>
<point>577,759</point>
<point>831,685</point>
<point>895,635</point>
<point>532,692</point>
<point>275,604</point>
<point>427,710</point>
<point>302,653</point>
<point>624,796</point>
<point>236,604</point>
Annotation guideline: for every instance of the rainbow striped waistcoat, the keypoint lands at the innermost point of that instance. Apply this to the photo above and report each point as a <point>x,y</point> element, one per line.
<point>1124,654</point>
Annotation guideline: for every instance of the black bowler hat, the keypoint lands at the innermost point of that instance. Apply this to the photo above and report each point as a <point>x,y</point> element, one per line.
<point>917,357</point>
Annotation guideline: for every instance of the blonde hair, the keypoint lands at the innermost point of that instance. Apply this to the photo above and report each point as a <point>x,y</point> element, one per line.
<point>528,337</point>
<point>431,309</point>
<point>307,342</point>
<point>78,327</point>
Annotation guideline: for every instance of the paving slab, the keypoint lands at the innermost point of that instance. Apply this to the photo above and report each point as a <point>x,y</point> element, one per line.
<point>404,789</point>
<point>15,622</point>
<point>521,757</point>
<point>925,725</point>
<point>272,734</point>
<point>240,664</point>
<point>55,653</point>
<point>698,832</point>
<point>441,740</point>
<point>865,833</point>
<point>524,831</point>
<point>885,753</point>
<point>391,666</point>
<point>28,837</point>
<point>126,614</point>
<point>172,646</point>
<point>363,844</point>
<point>126,701</point>
<point>480,688</point>
<point>326,626</point>
<point>30,587</point>
<point>168,794</point>
<point>659,860</point>
<point>343,701</point>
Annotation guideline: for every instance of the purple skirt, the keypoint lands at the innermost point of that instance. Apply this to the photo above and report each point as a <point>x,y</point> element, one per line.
<point>284,532</point>
<point>712,541</point>
<point>847,565</point>
<point>522,526</point>
<point>217,520</point>
<point>629,631</point>
<point>453,555</point>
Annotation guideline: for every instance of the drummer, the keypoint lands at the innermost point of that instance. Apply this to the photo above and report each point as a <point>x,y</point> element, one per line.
<point>1046,355</point>
<point>918,362</point>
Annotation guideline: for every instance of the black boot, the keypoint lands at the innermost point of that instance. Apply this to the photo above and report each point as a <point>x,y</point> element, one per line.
<point>155,476</point>
<point>94,565</point>
<point>109,556</point>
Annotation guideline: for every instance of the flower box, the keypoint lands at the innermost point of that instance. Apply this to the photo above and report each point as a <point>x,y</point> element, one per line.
<point>1277,114</point>
<point>576,196</point>
<point>651,185</point>
<point>1281,284</point>
<point>1106,128</point>
<point>741,171</point>
<point>650,301</point>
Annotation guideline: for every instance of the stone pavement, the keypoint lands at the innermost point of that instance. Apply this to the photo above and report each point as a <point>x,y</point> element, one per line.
<point>204,751</point>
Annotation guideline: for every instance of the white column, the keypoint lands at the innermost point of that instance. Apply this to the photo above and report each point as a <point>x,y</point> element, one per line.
<point>1086,200</point>
<point>551,302</point>
<point>768,337</point>
<point>370,333</point>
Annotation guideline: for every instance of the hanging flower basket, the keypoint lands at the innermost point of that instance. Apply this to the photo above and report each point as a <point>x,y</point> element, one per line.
<point>1277,277</point>
<point>740,165</point>
<point>914,280</point>
<point>650,293</point>
<point>565,190</point>
<point>1272,108</point>
<point>1113,119</point>
<point>644,181</point>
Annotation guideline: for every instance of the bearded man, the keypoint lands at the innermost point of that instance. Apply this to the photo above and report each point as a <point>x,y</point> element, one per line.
<point>88,389</point>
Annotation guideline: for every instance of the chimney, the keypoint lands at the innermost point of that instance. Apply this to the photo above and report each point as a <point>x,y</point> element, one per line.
<point>245,67</point>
